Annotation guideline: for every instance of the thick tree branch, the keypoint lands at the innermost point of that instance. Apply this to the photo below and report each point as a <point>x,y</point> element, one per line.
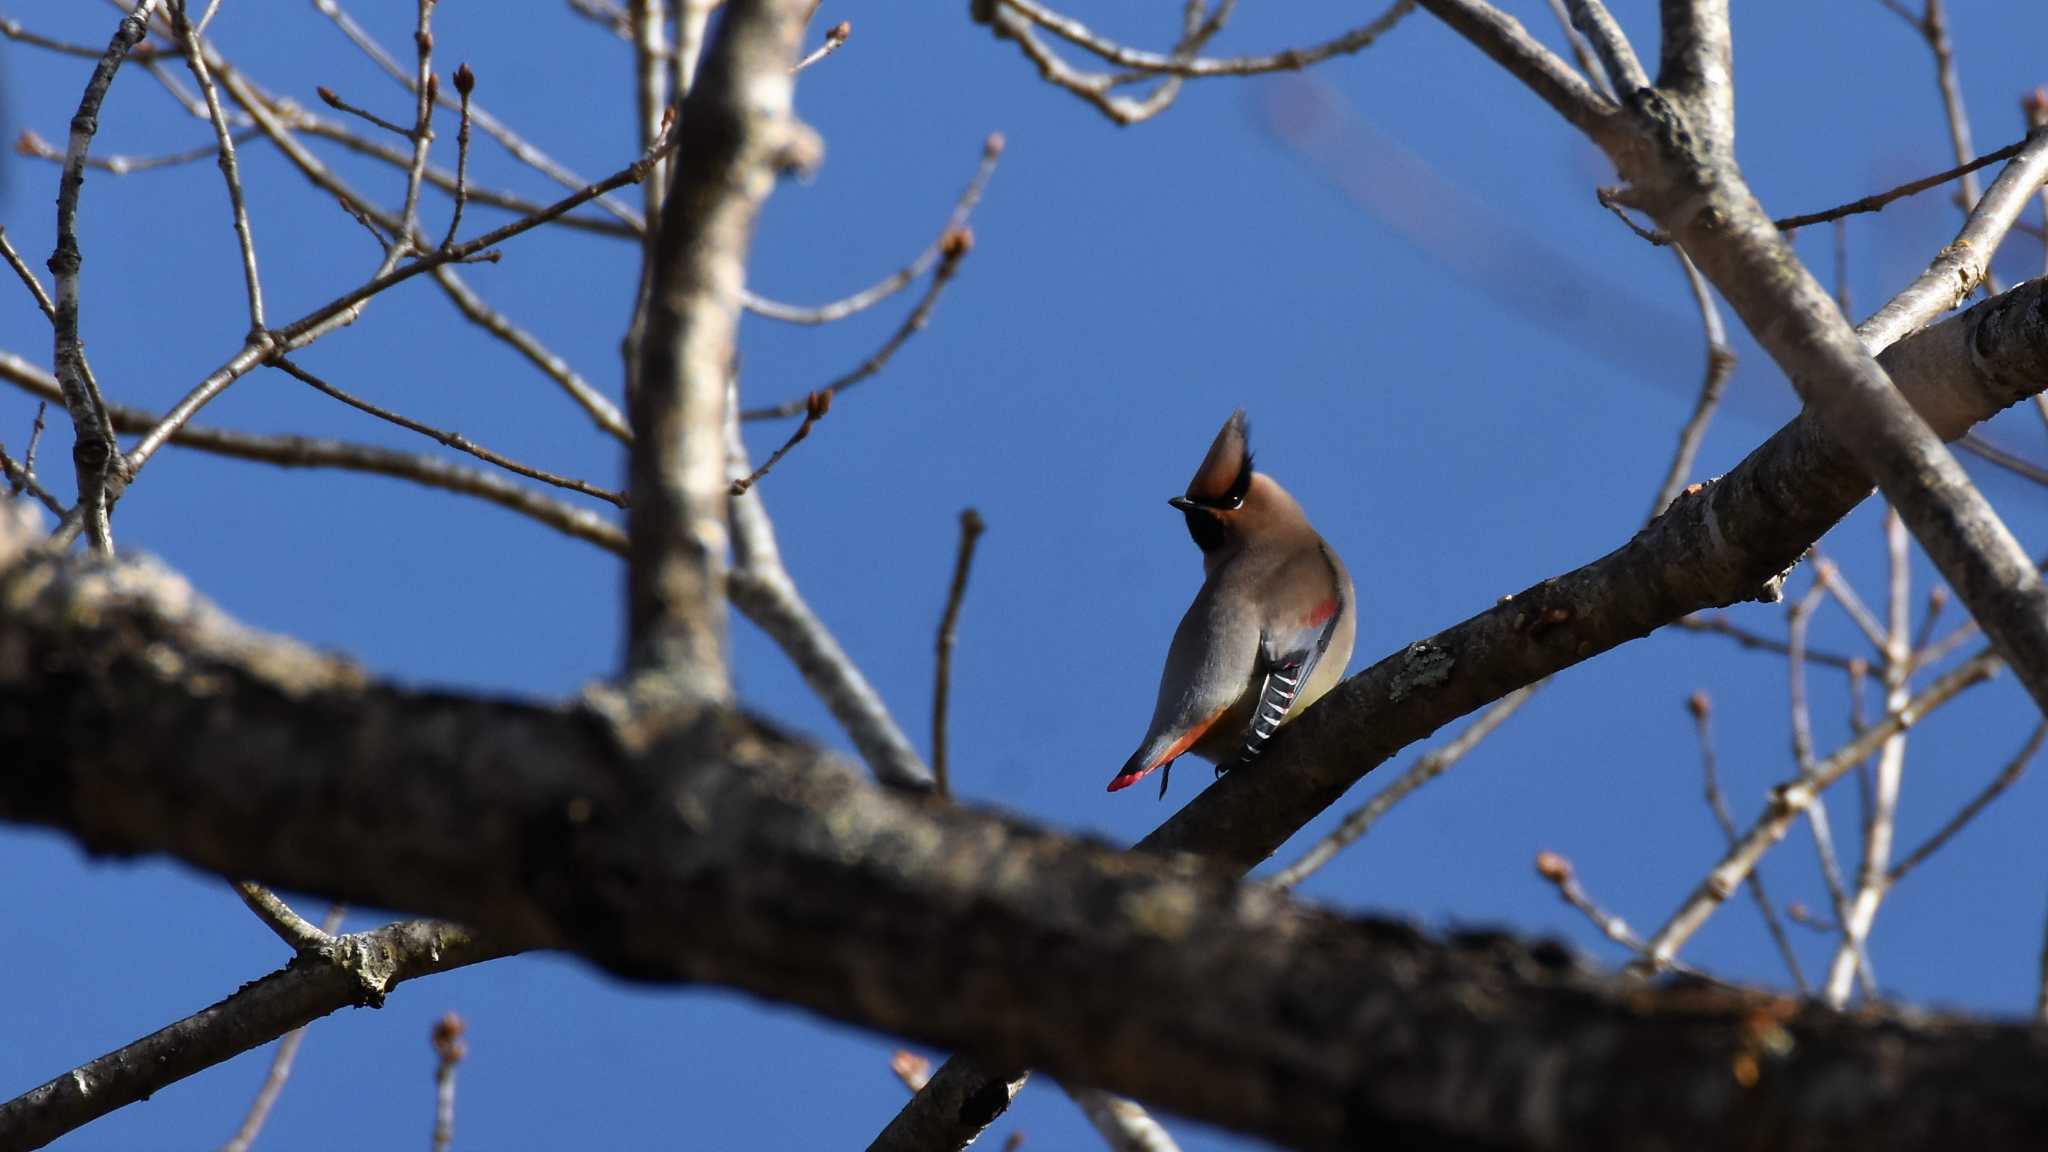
<point>737,134</point>
<point>1674,144</point>
<point>141,720</point>
<point>1717,544</point>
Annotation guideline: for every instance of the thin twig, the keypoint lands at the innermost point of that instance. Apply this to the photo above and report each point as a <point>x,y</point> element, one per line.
<point>344,308</point>
<point>465,83</point>
<point>302,120</point>
<point>1881,822</point>
<point>834,38</point>
<point>195,59</point>
<point>1426,767</point>
<point>1821,825</point>
<point>1123,1124</point>
<point>425,88</point>
<point>449,1050</point>
<point>1798,616</point>
<point>2012,771</point>
<point>1877,201</point>
<point>761,588</point>
<point>280,1066</point>
<point>971,527</point>
<point>22,478</point>
<point>13,30</point>
<point>1791,798</point>
<point>520,148</point>
<point>2019,466</point>
<point>1937,599</point>
<point>605,13</point>
<point>647,28</point>
<point>28,277</point>
<point>1719,625</point>
<point>333,99</point>
<point>913,1070</point>
<point>1176,64</point>
<point>95,454</point>
<point>1829,578</point>
<point>963,210</point>
<point>1702,714</point>
<point>1960,266</point>
<point>35,437</point>
<point>449,439</point>
<point>302,934</point>
<point>600,409</point>
<point>1617,59</point>
<point>1097,88</point>
<point>31,145</point>
<point>1557,870</point>
<point>1594,74</point>
<point>1720,362</point>
<point>310,452</point>
<point>952,250</point>
<point>815,407</point>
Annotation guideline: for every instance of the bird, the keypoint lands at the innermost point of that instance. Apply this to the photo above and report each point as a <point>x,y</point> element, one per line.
<point>1268,634</point>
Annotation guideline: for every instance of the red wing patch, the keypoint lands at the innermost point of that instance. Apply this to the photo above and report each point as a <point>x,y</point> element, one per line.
<point>1321,614</point>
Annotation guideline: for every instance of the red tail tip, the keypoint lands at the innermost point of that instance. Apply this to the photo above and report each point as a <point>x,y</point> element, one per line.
<point>1127,778</point>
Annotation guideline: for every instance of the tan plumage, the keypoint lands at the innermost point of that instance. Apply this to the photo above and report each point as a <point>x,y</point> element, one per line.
<point>1268,634</point>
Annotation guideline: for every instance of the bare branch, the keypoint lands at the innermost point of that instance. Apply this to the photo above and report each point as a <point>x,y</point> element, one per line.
<point>32,145</point>
<point>2005,779</point>
<point>1788,800</point>
<point>1503,38</point>
<point>1960,268</point>
<point>449,439</point>
<point>1720,362</point>
<point>196,61</point>
<point>449,1049</point>
<point>332,99</point>
<point>1876,202</point>
<point>1702,715</point>
<point>1617,59</point>
<point>1735,537</point>
<point>971,527</point>
<point>762,589</point>
<point>96,457</point>
<point>815,407</point>
<point>353,971</point>
<point>518,146</point>
<point>21,477</point>
<point>1124,1125</point>
<point>1720,625</point>
<point>310,452</point>
<point>834,38</point>
<point>737,133</point>
<point>1427,767</point>
<point>963,210</point>
<point>538,824</point>
<point>952,250</point>
<point>1178,64</point>
<point>280,1067</point>
<point>302,934</point>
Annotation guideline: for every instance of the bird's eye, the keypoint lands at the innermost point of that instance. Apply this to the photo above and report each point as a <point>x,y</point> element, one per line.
<point>1234,503</point>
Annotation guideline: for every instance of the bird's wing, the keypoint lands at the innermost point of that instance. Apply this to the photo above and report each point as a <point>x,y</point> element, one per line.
<point>1288,652</point>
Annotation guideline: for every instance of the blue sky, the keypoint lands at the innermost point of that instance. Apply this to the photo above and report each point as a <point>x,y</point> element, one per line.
<point>1463,410</point>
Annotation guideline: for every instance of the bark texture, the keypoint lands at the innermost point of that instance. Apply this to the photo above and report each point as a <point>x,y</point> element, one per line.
<point>140,719</point>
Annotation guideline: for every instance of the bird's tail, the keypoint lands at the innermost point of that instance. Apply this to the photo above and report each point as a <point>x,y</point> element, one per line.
<point>1134,770</point>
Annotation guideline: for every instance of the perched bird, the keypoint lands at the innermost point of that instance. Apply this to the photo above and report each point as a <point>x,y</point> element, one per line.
<point>1267,635</point>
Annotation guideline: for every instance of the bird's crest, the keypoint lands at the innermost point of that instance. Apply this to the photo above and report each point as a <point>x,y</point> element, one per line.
<point>1226,472</point>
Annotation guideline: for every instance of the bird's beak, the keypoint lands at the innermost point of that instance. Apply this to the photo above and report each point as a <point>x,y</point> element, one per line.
<point>1182,503</point>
